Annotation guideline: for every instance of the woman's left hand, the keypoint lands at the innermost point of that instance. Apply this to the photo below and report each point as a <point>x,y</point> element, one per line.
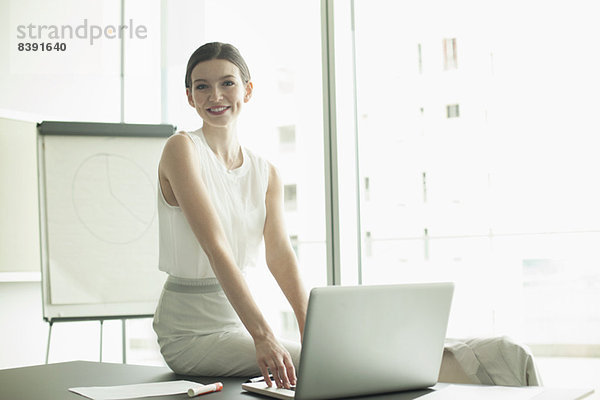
<point>272,356</point>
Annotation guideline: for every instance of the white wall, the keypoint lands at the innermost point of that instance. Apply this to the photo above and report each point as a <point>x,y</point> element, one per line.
<point>23,333</point>
<point>19,233</point>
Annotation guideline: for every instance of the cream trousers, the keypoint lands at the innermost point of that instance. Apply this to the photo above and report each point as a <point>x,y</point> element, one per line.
<point>199,332</point>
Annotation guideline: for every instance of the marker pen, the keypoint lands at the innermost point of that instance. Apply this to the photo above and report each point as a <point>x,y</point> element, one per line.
<point>213,387</point>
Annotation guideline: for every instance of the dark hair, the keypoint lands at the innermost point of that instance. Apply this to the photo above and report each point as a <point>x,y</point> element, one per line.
<point>216,51</point>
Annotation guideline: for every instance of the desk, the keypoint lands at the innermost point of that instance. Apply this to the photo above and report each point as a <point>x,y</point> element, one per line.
<point>51,382</point>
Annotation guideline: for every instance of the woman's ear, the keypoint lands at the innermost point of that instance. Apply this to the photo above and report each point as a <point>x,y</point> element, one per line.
<point>188,93</point>
<point>249,88</point>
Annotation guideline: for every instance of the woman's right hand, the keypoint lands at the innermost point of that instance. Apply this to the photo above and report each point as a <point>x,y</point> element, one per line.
<point>272,356</point>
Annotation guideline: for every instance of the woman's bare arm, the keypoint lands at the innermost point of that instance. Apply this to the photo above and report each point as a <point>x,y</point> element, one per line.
<point>179,167</point>
<point>280,256</point>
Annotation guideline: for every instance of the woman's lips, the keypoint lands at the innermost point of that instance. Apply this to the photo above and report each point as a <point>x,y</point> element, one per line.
<point>218,110</point>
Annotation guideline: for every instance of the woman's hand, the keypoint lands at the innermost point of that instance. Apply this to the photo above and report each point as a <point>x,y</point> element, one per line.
<point>272,356</point>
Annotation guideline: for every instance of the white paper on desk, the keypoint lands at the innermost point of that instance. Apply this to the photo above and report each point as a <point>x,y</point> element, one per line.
<point>135,391</point>
<point>475,392</point>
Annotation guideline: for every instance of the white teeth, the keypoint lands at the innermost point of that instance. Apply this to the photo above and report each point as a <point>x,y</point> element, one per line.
<point>217,109</point>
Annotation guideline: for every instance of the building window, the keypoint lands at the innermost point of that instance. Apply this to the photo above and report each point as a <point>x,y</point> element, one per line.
<point>420,58</point>
<point>287,137</point>
<point>294,242</point>
<point>285,81</point>
<point>289,197</point>
<point>450,54</point>
<point>452,111</point>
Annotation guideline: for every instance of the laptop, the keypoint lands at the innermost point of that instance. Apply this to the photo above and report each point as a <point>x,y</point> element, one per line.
<point>362,340</point>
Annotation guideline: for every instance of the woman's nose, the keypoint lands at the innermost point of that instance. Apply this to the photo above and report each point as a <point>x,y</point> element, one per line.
<point>215,94</point>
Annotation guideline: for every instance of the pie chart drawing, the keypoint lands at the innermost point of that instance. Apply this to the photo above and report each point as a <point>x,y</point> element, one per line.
<point>113,198</point>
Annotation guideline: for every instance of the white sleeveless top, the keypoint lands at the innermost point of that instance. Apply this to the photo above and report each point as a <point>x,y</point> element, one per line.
<point>238,196</point>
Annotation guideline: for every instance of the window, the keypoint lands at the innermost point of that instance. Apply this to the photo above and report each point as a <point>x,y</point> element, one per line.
<point>290,198</point>
<point>286,81</point>
<point>505,199</point>
<point>420,58</point>
<point>450,54</point>
<point>294,242</point>
<point>62,74</point>
<point>287,138</point>
<point>452,111</point>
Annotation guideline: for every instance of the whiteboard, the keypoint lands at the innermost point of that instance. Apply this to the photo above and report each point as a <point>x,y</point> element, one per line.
<point>98,218</point>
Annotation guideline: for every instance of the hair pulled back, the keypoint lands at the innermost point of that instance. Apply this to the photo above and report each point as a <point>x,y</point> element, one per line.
<point>216,51</point>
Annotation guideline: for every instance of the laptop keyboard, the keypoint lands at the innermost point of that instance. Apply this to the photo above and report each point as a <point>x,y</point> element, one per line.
<point>262,379</point>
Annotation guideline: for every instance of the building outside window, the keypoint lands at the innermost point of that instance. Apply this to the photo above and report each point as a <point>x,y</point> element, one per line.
<point>450,54</point>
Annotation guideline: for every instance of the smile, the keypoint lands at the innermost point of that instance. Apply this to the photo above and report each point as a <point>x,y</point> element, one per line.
<point>217,110</point>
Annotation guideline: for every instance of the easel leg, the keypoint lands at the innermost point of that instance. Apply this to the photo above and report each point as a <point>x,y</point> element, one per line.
<point>123,325</point>
<point>101,333</point>
<point>48,344</point>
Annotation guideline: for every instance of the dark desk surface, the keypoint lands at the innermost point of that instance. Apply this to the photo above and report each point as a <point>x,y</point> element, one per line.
<point>51,382</point>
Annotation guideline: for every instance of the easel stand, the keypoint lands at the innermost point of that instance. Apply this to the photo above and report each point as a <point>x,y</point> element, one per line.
<point>123,319</point>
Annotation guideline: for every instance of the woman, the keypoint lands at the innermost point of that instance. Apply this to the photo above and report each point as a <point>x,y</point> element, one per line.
<point>217,202</point>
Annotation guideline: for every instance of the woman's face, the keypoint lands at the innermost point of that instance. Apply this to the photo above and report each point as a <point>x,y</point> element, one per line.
<point>218,92</point>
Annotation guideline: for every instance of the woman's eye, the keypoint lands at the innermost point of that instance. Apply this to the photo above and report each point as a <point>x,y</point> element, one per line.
<point>228,83</point>
<point>201,86</point>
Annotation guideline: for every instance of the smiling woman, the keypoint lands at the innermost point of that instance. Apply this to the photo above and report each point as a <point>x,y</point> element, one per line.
<point>217,202</point>
<point>283,121</point>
